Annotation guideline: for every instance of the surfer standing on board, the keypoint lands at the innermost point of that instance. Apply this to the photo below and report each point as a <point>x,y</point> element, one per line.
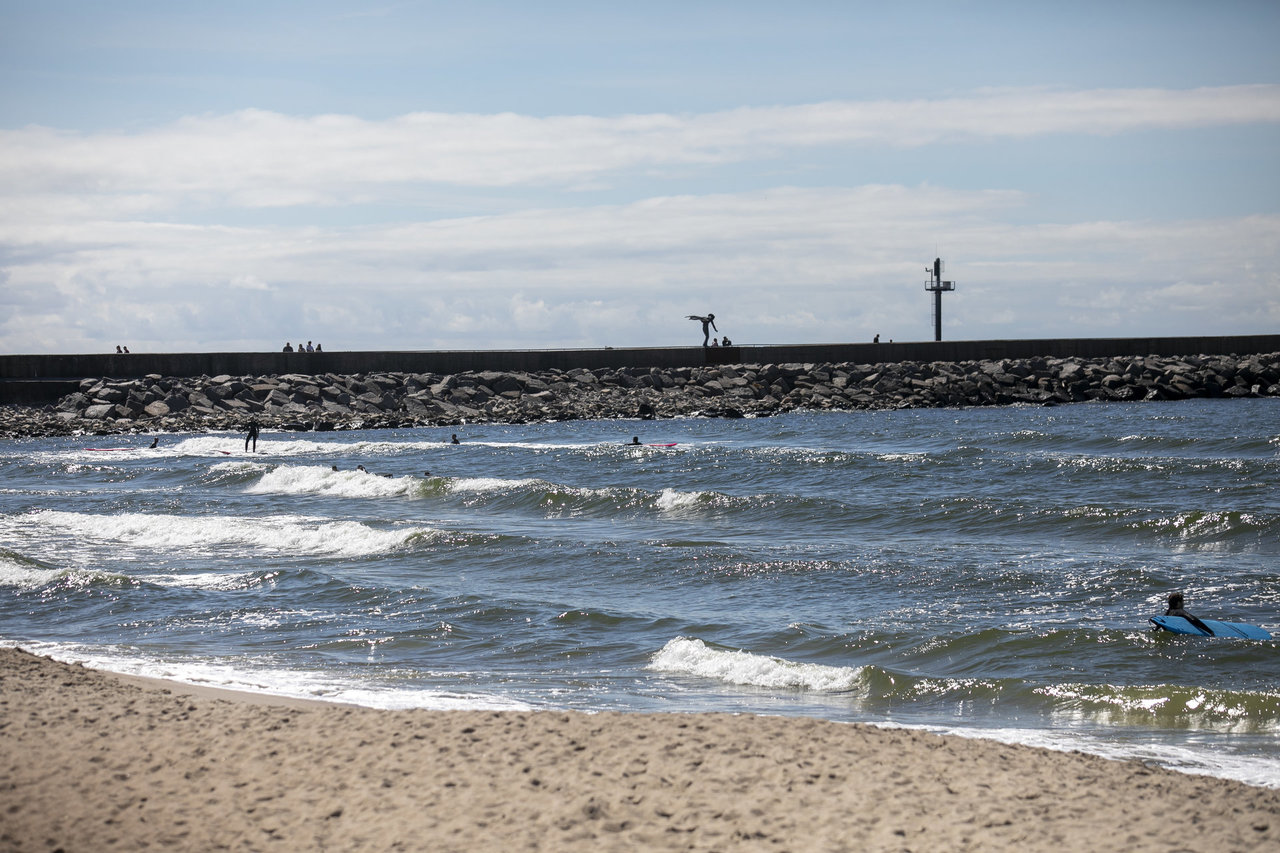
<point>252,435</point>
<point>708,323</point>
<point>1175,609</point>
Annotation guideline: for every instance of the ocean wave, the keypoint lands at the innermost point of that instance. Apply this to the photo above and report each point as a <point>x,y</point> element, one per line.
<point>878,690</point>
<point>493,484</point>
<point>999,515</point>
<point>234,473</point>
<point>1208,526</point>
<point>247,676</point>
<point>690,656</point>
<point>26,573</point>
<point>1166,706</point>
<point>213,581</point>
<point>671,500</point>
<point>373,449</point>
<point>316,480</point>
<point>279,534</point>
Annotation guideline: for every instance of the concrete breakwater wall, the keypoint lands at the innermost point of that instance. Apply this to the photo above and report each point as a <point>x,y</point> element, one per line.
<point>393,399</point>
<point>38,379</point>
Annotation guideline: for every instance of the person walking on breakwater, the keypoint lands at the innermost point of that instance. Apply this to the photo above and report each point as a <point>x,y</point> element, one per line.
<point>708,323</point>
<point>252,435</point>
<point>1175,609</point>
<point>288,347</point>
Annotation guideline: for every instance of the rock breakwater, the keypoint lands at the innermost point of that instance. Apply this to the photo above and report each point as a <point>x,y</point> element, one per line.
<point>328,401</point>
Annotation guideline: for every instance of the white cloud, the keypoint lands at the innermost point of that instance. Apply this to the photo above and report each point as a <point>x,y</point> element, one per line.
<point>104,237</point>
<point>254,158</point>
<point>782,265</point>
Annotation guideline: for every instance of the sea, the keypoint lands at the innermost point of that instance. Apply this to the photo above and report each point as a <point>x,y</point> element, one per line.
<point>983,572</point>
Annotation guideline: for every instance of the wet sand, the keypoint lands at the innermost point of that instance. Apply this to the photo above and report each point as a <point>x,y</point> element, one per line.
<point>91,761</point>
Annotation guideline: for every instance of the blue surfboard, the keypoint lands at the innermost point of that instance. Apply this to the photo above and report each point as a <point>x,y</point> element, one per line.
<point>1178,625</point>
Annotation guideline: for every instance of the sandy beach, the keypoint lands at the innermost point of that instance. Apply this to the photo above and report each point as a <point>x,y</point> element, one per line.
<point>94,761</point>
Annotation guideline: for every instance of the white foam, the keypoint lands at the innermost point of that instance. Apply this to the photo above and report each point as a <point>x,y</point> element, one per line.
<point>534,445</point>
<point>217,444</point>
<point>302,447</point>
<point>295,684</point>
<point>316,480</point>
<point>671,500</point>
<point>489,484</point>
<point>24,575</point>
<point>239,466</point>
<point>686,656</point>
<point>281,534</point>
<point>914,456</point>
<point>203,580</point>
<point>34,578</point>
<point>1252,770</point>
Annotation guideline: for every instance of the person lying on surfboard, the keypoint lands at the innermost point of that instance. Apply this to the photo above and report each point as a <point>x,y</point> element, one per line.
<point>1175,609</point>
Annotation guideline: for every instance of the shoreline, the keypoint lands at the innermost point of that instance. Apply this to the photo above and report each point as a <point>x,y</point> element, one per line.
<point>323,402</point>
<point>95,760</point>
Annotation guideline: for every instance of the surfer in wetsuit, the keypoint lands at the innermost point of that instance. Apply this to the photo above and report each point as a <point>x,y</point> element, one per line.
<point>1175,609</point>
<point>252,435</point>
<point>708,323</point>
<point>635,440</point>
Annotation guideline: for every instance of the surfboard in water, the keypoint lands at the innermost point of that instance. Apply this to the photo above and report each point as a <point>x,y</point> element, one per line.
<point>1178,625</point>
<point>672,444</point>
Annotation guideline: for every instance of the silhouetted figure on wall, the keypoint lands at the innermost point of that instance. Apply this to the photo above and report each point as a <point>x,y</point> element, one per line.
<point>708,323</point>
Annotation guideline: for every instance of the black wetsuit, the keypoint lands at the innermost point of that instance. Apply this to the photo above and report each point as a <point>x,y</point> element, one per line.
<point>1178,611</point>
<point>252,436</point>
<point>708,323</point>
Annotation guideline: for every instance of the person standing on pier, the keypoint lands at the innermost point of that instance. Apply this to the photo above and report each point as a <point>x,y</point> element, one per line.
<point>708,323</point>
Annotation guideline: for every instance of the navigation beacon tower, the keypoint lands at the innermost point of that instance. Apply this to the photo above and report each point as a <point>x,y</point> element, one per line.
<point>936,286</point>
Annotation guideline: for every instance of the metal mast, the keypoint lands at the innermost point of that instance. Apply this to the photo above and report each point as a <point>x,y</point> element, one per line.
<point>936,285</point>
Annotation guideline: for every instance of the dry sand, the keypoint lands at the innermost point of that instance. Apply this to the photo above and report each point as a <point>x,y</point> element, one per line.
<point>91,761</point>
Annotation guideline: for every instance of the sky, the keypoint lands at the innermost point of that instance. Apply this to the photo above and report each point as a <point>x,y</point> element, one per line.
<point>514,175</point>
